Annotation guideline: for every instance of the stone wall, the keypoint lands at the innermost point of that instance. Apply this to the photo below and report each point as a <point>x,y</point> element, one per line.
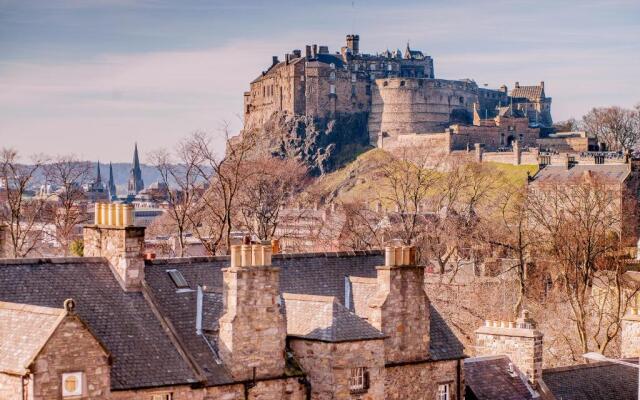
<point>420,381</point>
<point>407,105</point>
<point>566,144</point>
<point>400,309</point>
<point>630,335</point>
<point>500,133</point>
<point>252,328</point>
<point>276,389</point>
<point>10,386</point>
<point>329,365</point>
<point>519,340</point>
<point>123,248</point>
<point>72,348</point>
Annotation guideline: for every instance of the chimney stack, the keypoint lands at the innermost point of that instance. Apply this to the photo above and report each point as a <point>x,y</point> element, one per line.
<point>314,51</point>
<point>353,44</point>
<point>307,52</point>
<point>114,237</point>
<point>252,328</point>
<point>517,85</point>
<point>274,60</point>
<point>519,340</point>
<point>400,306</point>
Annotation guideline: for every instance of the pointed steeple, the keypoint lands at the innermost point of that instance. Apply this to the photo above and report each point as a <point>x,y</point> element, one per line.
<point>135,184</point>
<point>98,176</point>
<point>112,184</point>
<point>407,52</point>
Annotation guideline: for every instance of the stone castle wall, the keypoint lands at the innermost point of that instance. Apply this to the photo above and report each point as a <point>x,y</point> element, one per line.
<point>329,366</point>
<point>421,381</point>
<point>404,105</point>
<point>72,348</point>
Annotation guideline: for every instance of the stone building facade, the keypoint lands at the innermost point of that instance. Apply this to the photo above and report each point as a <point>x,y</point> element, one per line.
<point>397,91</point>
<point>248,326</point>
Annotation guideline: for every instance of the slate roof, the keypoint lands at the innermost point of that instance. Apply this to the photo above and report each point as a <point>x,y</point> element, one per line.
<point>31,328</point>
<point>593,381</point>
<point>528,92</point>
<point>612,173</point>
<point>142,353</point>
<point>488,378</point>
<point>321,274</point>
<point>323,318</point>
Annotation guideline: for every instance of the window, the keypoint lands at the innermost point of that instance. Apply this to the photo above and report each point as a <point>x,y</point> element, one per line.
<point>332,89</point>
<point>389,67</point>
<point>332,66</point>
<point>332,76</point>
<point>461,99</point>
<point>443,392</point>
<point>353,77</point>
<point>359,380</point>
<point>162,396</point>
<point>72,384</point>
<point>177,278</point>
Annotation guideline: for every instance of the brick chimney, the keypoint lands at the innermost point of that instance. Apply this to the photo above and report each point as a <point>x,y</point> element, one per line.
<point>630,337</point>
<point>252,328</point>
<point>519,340</point>
<point>400,306</point>
<point>353,44</point>
<point>114,237</point>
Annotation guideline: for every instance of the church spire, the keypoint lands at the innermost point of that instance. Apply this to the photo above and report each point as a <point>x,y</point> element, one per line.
<point>112,184</point>
<point>98,176</point>
<point>135,184</point>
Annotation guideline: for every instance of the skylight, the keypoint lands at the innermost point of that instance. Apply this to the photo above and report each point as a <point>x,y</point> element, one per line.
<point>178,279</point>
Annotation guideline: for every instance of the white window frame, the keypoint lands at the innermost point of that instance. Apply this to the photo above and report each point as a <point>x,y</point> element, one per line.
<point>357,379</point>
<point>444,391</point>
<point>162,396</point>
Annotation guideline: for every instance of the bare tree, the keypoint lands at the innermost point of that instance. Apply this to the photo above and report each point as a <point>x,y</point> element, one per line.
<point>181,177</point>
<point>66,208</point>
<point>270,184</point>
<point>578,224</point>
<point>19,212</point>
<point>615,126</point>
<point>362,229</point>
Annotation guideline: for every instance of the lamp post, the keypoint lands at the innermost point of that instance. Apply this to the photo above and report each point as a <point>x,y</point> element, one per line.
<point>599,357</point>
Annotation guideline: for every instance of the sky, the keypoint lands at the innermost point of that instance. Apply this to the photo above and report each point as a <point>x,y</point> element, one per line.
<point>91,77</point>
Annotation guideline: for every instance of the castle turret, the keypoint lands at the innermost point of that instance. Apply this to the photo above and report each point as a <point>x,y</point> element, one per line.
<point>353,44</point>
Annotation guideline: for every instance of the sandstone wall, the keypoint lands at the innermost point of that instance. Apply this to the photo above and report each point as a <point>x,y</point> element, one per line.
<point>563,145</point>
<point>405,105</point>
<point>10,386</point>
<point>277,389</point>
<point>122,247</point>
<point>420,381</point>
<point>72,348</point>
<point>630,336</point>
<point>329,367</point>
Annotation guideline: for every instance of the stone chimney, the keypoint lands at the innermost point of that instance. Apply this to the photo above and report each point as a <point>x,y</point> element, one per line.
<point>274,60</point>
<point>252,328</point>
<point>519,340</point>
<point>630,337</point>
<point>479,151</point>
<point>307,52</point>
<point>114,237</point>
<point>400,306</point>
<point>353,44</point>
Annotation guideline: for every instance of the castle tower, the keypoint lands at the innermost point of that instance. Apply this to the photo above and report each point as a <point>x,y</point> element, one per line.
<point>353,44</point>
<point>112,184</point>
<point>135,184</point>
<point>253,329</point>
<point>400,307</point>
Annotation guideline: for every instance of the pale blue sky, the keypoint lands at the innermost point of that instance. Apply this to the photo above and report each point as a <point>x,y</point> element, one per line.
<point>90,77</point>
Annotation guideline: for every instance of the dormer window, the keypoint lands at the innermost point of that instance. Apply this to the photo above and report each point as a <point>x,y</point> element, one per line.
<point>178,279</point>
<point>359,380</point>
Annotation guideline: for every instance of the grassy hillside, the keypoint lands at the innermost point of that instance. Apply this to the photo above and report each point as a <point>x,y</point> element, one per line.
<point>363,180</point>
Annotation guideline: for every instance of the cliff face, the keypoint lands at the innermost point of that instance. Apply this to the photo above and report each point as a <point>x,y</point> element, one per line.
<point>323,144</point>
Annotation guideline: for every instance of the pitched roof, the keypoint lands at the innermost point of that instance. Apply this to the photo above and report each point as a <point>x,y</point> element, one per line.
<point>593,381</point>
<point>488,378</point>
<point>609,173</point>
<point>142,353</point>
<point>528,92</point>
<point>323,318</point>
<point>31,328</point>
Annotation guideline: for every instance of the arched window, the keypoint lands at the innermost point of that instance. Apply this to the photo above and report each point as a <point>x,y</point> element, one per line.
<point>461,100</point>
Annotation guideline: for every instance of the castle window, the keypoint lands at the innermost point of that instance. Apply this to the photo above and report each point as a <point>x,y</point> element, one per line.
<point>332,89</point>
<point>385,83</point>
<point>444,392</point>
<point>372,67</point>
<point>263,91</point>
<point>353,91</point>
<point>353,77</point>
<point>332,66</point>
<point>389,67</point>
<point>461,100</point>
<point>332,76</point>
<point>359,380</point>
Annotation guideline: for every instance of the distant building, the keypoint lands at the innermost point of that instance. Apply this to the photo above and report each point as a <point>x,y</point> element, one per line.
<point>111,186</point>
<point>135,184</point>
<point>96,190</point>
